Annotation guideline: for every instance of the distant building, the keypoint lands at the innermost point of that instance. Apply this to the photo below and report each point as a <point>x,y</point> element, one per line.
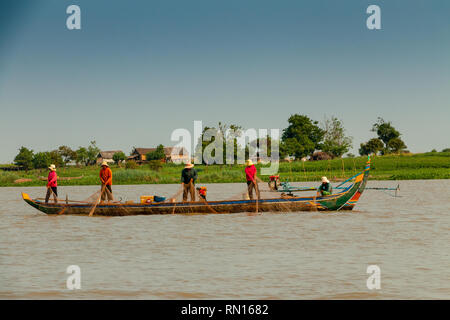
<point>106,156</point>
<point>177,155</point>
<point>289,158</point>
<point>172,154</point>
<point>320,155</point>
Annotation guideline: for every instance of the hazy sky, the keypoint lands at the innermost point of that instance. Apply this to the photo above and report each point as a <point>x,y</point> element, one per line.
<point>137,70</point>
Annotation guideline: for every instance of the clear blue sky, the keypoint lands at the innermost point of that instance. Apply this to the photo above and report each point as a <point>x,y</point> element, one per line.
<point>139,69</point>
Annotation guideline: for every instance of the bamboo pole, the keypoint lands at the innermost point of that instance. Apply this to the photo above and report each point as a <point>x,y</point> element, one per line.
<point>96,203</point>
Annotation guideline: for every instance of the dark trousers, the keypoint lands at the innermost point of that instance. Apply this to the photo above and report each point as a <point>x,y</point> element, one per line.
<point>250,187</point>
<point>107,193</point>
<point>188,188</point>
<point>49,193</point>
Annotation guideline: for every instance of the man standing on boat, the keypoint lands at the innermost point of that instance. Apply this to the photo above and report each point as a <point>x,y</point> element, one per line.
<point>106,179</point>
<point>188,177</point>
<point>325,188</point>
<point>250,174</point>
<point>52,184</point>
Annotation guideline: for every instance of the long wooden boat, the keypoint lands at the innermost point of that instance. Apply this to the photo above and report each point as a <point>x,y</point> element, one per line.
<point>344,200</point>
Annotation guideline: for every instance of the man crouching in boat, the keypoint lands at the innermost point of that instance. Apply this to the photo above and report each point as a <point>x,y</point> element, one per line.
<point>188,177</point>
<point>325,188</point>
<point>201,192</point>
<point>106,179</point>
<point>52,184</point>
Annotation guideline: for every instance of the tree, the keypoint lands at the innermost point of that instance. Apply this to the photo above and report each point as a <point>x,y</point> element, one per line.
<point>67,154</point>
<point>119,157</point>
<point>396,145</point>
<point>131,164</point>
<point>224,131</point>
<point>373,146</point>
<point>335,142</point>
<point>302,137</point>
<point>230,135</point>
<point>388,136</point>
<point>263,145</point>
<point>82,156</point>
<point>203,144</point>
<point>41,160</point>
<point>350,155</point>
<point>291,147</point>
<point>446,150</point>
<point>158,154</point>
<point>56,158</point>
<point>155,165</point>
<point>92,152</point>
<point>385,130</point>
<point>24,158</point>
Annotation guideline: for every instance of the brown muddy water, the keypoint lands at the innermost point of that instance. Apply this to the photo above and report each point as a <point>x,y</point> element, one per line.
<point>306,255</point>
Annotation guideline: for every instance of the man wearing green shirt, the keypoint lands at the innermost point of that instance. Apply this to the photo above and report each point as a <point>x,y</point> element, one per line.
<point>325,188</point>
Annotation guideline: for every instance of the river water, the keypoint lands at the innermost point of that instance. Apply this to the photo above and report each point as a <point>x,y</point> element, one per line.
<point>307,255</point>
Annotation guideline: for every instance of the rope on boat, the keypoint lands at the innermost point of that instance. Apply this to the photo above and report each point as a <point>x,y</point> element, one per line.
<point>92,197</point>
<point>204,201</point>
<point>91,212</point>
<point>176,194</point>
<point>257,193</point>
<point>174,198</point>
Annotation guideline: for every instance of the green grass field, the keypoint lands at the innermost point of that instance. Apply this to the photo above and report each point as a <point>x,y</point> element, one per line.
<point>434,165</point>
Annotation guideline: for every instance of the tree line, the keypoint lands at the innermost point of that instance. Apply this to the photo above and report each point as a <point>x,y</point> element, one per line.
<point>388,140</point>
<point>305,137</point>
<point>60,157</point>
<point>302,137</point>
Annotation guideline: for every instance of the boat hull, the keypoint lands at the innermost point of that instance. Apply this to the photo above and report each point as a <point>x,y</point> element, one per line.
<point>184,208</point>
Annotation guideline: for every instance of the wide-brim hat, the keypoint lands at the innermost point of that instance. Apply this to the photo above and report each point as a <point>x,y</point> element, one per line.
<point>249,162</point>
<point>188,166</point>
<point>324,179</point>
<point>52,167</point>
<point>104,163</point>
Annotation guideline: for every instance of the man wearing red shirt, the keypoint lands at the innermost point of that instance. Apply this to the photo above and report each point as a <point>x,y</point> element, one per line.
<point>250,174</point>
<point>52,184</point>
<point>106,179</point>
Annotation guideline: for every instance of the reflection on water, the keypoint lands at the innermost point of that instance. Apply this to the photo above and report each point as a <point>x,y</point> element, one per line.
<point>306,255</point>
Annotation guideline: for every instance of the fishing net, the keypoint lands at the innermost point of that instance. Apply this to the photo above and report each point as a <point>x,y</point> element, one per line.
<point>176,194</point>
<point>93,197</point>
<point>175,198</point>
<point>206,203</point>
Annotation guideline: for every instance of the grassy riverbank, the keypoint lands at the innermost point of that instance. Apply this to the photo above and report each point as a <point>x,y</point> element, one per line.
<point>434,165</point>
